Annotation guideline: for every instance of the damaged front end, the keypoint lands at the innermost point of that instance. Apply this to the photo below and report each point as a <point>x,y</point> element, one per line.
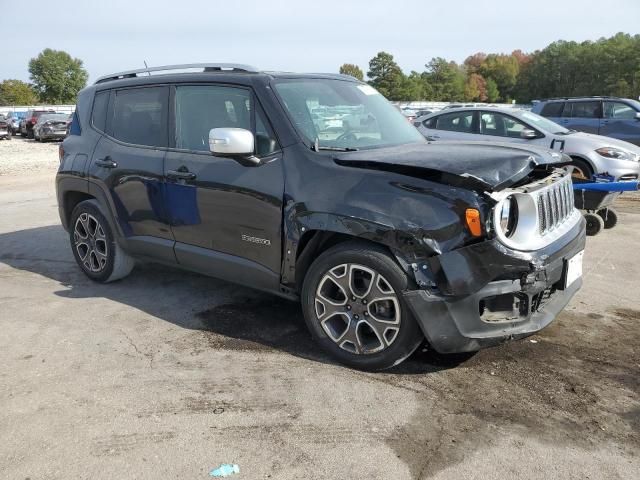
<point>512,284</point>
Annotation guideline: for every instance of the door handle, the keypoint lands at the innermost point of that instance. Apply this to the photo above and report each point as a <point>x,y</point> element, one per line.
<point>181,174</point>
<point>433,137</point>
<point>106,162</point>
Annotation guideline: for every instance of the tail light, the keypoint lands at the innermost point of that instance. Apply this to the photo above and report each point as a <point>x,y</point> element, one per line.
<point>33,120</point>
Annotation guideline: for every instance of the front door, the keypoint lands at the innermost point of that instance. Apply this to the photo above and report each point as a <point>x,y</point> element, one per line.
<point>223,214</point>
<point>620,121</point>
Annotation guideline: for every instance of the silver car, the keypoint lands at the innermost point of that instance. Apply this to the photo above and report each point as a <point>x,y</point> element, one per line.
<point>590,153</point>
<point>51,126</point>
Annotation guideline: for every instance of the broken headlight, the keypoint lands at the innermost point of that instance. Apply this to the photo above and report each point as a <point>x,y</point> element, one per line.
<point>508,215</point>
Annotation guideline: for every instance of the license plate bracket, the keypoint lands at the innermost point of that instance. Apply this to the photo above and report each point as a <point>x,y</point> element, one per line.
<point>573,269</point>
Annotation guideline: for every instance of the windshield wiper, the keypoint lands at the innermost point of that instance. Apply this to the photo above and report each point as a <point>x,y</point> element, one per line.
<point>338,149</point>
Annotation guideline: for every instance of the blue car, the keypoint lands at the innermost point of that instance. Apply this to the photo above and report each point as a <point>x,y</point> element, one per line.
<point>608,116</point>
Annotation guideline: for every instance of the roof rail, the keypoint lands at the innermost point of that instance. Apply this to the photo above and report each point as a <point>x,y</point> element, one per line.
<point>578,98</point>
<point>206,67</point>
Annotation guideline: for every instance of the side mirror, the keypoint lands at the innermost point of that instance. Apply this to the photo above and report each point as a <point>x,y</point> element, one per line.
<point>236,143</point>
<point>231,142</point>
<point>528,134</point>
<point>637,115</point>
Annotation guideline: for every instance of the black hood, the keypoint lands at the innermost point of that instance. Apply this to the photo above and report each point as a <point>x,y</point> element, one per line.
<point>483,165</point>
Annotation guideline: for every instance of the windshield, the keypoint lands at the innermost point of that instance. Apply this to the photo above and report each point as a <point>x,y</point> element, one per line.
<point>545,124</point>
<point>344,115</point>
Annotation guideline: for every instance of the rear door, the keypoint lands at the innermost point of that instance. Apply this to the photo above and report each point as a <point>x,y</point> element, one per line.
<point>224,214</point>
<point>128,162</point>
<point>619,121</point>
<point>582,115</point>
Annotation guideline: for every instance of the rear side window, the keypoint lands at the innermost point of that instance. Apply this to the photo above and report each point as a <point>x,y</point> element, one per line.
<point>553,109</point>
<point>74,128</point>
<point>585,110</point>
<point>99,112</point>
<point>140,116</point>
<point>456,122</point>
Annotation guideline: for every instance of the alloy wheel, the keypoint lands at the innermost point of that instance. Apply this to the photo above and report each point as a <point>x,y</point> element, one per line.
<point>357,308</point>
<point>90,242</point>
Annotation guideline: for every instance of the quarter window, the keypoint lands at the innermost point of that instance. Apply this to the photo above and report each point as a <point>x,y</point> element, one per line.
<point>553,109</point>
<point>99,113</point>
<point>619,111</point>
<point>140,116</point>
<point>456,122</point>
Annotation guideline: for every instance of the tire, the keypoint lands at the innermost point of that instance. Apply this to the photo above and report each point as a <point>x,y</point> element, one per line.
<point>103,260</point>
<point>595,224</point>
<point>609,216</point>
<point>581,169</point>
<point>348,333</point>
<point>30,134</point>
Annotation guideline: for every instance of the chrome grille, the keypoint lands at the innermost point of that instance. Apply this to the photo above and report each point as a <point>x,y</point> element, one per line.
<point>555,204</point>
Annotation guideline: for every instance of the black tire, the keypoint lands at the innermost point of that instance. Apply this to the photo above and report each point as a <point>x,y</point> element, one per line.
<point>595,224</point>
<point>407,334</point>
<point>117,263</point>
<point>609,216</point>
<point>581,169</point>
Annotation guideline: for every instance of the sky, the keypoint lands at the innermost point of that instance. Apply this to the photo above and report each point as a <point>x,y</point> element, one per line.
<point>301,36</point>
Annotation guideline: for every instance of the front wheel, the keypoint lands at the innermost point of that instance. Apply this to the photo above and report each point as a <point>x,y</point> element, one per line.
<point>353,306</point>
<point>94,247</point>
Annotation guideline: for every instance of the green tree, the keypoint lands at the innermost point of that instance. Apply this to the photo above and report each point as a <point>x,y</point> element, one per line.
<point>17,92</point>
<point>57,76</point>
<point>351,69</point>
<point>386,76</point>
<point>493,94</point>
<point>504,70</point>
<point>446,80</point>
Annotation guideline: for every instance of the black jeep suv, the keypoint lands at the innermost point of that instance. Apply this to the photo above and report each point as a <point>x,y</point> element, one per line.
<point>314,187</point>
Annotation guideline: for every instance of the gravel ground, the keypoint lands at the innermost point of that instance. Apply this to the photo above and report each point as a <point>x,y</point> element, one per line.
<point>167,374</point>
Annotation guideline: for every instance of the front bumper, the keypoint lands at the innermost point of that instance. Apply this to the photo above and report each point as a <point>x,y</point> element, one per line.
<point>620,169</point>
<point>521,294</point>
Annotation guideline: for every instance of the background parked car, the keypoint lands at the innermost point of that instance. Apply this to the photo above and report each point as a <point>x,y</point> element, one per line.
<point>5,130</point>
<point>590,153</point>
<point>610,116</point>
<point>51,127</point>
<point>30,119</point>
<point>13,119</point>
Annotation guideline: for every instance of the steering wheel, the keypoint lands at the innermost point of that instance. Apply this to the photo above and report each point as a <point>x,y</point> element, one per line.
<point>347,136</point>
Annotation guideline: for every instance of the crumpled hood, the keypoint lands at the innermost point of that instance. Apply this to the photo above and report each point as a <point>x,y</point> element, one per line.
<point>490,166</point>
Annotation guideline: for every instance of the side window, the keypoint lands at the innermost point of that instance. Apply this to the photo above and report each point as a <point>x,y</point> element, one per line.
<point>566,111</point>
<point>140,116</point>
<point>201,108</point>
<point>552,109</point>
<point>586,110</point>
<point>492,123</point>
<point>619,111</point>
<point>99,112</point>
<point>455,122</point>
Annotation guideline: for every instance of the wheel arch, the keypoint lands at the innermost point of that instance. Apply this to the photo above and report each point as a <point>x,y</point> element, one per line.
<point>585,160</point>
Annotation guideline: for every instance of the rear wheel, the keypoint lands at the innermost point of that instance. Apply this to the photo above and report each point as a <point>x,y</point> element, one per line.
<point>353,305</point>
<point>595,223</point>
<point>94,247</point>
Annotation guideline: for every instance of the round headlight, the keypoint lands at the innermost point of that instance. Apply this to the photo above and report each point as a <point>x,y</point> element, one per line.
<point>509,216</point>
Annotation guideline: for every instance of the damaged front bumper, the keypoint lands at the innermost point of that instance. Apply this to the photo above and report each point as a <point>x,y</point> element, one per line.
<point>488,294</point>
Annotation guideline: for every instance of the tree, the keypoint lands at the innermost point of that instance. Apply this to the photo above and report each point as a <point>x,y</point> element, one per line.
<point>351,69</point>
<point>17,92</point>
<point>493,94</point>
<point>504,70</point>
<point>386,76</point>
<point>57,77</point>
<point>475,89</point>
<point>446,80</point>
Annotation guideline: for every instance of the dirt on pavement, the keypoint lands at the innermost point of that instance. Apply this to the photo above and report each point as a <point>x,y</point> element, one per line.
<point>167,374</point>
